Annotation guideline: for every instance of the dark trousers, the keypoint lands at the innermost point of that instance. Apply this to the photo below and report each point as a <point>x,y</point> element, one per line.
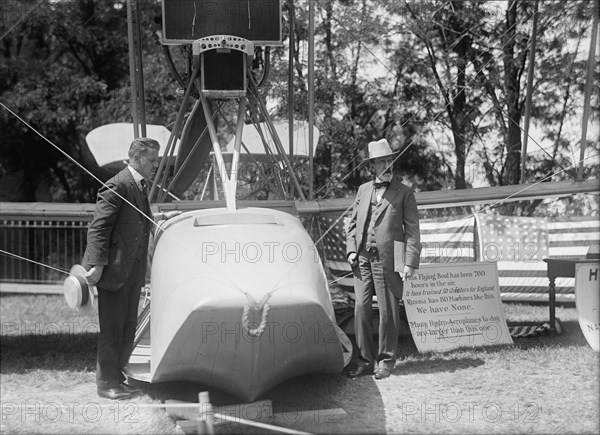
<point>369,280</point>
<point>117,313</point>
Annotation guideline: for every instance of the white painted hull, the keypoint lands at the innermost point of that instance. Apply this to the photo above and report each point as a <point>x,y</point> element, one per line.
<point>216,276</point>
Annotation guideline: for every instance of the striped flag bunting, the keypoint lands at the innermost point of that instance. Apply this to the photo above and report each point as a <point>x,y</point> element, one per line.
<point>518,245</point>
<point>448,240</point>
<point>571,237</point>
<point>443,241</point>
<point>332,245</point>
<point>533,330</point>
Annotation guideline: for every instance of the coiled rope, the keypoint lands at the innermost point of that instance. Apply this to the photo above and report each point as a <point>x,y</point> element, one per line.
<point>262,305</point>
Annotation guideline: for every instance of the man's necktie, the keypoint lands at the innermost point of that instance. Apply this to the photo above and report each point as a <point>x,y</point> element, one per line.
<point>144,187</point>
<point>381,184</point>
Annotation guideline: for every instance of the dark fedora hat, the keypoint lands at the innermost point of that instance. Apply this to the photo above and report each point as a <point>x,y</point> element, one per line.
<point>78,293</point>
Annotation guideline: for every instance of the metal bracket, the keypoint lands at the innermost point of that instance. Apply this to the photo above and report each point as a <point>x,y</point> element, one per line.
<point>222,43</point>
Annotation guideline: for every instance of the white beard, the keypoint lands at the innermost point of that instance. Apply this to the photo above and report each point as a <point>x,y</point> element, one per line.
<point>386,176</point>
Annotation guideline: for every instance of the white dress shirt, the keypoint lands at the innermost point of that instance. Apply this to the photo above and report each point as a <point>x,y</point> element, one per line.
<point>136,176</point>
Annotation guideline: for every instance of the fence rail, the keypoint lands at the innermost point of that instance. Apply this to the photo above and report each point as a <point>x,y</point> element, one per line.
<point>40,243</point>
<point>51,237</point>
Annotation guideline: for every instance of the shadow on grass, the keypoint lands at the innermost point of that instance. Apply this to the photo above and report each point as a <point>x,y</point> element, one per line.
<point>23,353</point>
<point>311,403</point>
<point>435,364</point>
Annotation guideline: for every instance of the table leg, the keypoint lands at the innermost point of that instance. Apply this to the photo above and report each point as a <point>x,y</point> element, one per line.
<point>551,304</point>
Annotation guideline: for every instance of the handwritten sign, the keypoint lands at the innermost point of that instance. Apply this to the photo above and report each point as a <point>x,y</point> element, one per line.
<point>587,301</point>
<point>454,305</point>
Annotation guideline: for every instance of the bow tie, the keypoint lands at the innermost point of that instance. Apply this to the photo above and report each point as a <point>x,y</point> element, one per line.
<point>381,184</point>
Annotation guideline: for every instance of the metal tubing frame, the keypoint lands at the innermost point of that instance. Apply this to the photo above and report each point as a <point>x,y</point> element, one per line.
<point>311,94</point>
<point>174,134</point>
<point>277,141</point>
<point>260,170</point>
<point>132,70</point>
<point>229,181</point>
<point>140,70</point>
<point>291,86</point>
<point>187,159</point>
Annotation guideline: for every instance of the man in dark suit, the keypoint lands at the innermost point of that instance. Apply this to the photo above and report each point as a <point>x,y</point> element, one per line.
<point>384,212</point>
<point>115,257</point>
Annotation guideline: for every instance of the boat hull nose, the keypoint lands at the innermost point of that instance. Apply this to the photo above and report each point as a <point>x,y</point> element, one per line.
<point>230,351</point>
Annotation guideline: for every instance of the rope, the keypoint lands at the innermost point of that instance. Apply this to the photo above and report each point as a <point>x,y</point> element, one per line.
<point>33,261</point>
<point>258,424</point>
<point>262,305</point>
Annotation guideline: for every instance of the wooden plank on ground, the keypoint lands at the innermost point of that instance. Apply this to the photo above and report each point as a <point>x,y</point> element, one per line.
<point>283,419</point>
<point>331,415</point>
<point>261,410</point>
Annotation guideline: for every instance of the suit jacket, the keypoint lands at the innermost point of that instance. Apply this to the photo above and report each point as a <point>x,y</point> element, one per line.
<point>118,233</point>
<point>397,220</point>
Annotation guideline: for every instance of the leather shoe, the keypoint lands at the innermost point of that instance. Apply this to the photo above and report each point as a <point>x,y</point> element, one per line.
<point>362,368</point>
<point>117,393</point>
<point>130,389</point>
<point>382,373</point>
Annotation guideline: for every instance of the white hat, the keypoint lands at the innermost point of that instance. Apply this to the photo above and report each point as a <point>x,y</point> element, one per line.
<point>78,293</point>
<point>380,148</point>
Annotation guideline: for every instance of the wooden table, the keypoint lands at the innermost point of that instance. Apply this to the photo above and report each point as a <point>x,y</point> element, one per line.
<point>561,267</point>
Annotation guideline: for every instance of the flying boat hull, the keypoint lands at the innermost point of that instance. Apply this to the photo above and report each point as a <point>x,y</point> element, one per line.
<point>240,302</point>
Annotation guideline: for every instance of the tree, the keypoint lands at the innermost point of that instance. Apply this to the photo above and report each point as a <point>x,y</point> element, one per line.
<point>65,71</point>
<point>351,106</point>
<point>441,80</point>
<point>477,55</point>
<point>58,62</point>
<point>503,82</point>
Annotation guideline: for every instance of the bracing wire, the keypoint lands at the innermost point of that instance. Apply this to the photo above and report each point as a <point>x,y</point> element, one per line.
<point>2,251</point>
<point>348,174</point>
<point>75,161</point>
<point>400,126</point>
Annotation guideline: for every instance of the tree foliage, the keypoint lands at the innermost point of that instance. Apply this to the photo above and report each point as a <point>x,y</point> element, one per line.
<point>64,71</point>
<point>443,81</point>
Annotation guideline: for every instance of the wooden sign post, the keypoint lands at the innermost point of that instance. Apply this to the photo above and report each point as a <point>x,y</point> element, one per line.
<point>454,305</point>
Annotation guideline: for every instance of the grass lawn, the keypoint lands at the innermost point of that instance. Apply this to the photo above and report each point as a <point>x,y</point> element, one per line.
<point>539,385</point>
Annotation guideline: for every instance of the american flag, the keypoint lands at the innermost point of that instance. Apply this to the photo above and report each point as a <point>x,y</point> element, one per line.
<point>332,244</point>
<point>448,240</point>
<point>518,245</point>
<point>443,241</point>
<point>572,236</point>
<point>521,243</point>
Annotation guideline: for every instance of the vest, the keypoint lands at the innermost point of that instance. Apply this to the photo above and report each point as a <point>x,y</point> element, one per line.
<point>371,227</point>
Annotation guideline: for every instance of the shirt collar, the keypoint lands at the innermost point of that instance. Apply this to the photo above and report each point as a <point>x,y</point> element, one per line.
<point>136,175</point>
